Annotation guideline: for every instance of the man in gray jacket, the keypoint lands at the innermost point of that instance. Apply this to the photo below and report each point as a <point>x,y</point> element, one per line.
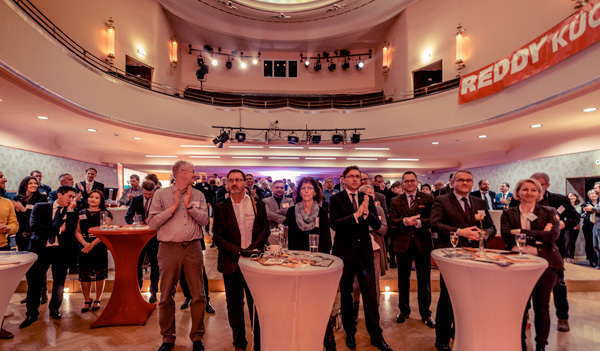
<point>277,205</point>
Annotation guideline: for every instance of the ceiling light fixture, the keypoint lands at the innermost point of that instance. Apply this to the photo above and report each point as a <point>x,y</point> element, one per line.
<point>482,136</point>
<point>200,156</point>
<point>197,145</point>
<point>361,158</point>
<point>248,157</point>
<point>245,147</point>
<point>157,156</point>
<point>373,148</point>
<point>92,130</point>
<point>590,109</point>
<point>293,139</point>
<point>240,136</point>
<point>287,147</point>
<point>222,138</point>
<point>403,159</point>
<point>325,148</point>
<point>315,138</point>
<point>360,64</point>
<point>355,138</point>
<point>320,158</point>
<point>42,117</point>
<point>435,142</point>
<point>535,126</point>
<point>283,158</point>
<point>337,138</point>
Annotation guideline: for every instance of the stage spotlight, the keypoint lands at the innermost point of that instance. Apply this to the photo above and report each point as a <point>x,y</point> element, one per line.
<point>355,138</point>
<point>317,66</point>
<point>228,64</point>
<point>360,65</point>
<point>215,62</point>
<point>203,70</point>
<point>306,63</point>
<point>240,136</point>
<point>222,138</point>
<point>243,65</point>
<point>331,67</point>
<point>345,65</point>
<point>315,138</point>
<point>337,138</point>
<point>293,139</point>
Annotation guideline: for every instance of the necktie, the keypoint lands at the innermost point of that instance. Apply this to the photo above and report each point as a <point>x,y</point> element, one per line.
<point>412,203</point>
<point>354,204</point>
<point>88,187</point>
<point>56,222</point>
<point>467,209</point>
<point>487,202</point>
<point>146,208</point>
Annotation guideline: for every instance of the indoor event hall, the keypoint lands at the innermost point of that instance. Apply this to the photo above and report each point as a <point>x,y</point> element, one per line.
<point>300,175</point>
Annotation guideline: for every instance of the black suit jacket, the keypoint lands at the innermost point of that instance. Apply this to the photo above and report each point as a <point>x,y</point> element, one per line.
<point>447,215</point>
<point>492,195</point>
<point>402,234</point>
<point>352,240</point>
<point>135,208</point>
<point>545,241</point>
<point>228,239</point>
<point>84,193</point>
<point>42,227</point>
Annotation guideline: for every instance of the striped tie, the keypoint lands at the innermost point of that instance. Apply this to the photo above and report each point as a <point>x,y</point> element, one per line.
<point>412,203</point>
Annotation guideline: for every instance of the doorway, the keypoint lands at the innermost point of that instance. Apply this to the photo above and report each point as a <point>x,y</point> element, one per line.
<point>425,76</point>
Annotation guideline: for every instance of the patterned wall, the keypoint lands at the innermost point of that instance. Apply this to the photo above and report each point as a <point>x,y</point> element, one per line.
<point>558,168</point>
<point>16,164</point>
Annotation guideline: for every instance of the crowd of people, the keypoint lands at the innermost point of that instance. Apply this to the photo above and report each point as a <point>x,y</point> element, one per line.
<point>370,223</point>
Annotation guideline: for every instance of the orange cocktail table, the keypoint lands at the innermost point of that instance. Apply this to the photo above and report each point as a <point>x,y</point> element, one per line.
<point>126,305</point>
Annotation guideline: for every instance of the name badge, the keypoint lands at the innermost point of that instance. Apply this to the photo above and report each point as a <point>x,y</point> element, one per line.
<point>82,217</point>
<point>317,222</point>
<point>29,207</point>
<point>285,205</point>
<point>531,217</point>
<point>561,209</point>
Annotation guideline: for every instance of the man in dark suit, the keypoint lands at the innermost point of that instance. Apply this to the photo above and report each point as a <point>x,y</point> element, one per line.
<point>140,205</point>
<point>253,189</point>
<point>231,239</point>
<point>569,218</point>
<point>409,214</point>
<point>88,185</point>
<point>351,215</point>
<point>65,179</point>
<point>455,212</point>
<point>486,194</point>
<point>53,226</point>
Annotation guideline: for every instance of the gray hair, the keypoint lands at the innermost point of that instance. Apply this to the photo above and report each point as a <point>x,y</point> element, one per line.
<point>179,165</point>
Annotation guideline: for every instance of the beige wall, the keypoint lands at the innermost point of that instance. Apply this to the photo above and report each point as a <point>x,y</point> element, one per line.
<point>17,164</point>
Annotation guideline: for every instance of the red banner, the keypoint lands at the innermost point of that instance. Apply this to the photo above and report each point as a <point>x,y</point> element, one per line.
<point>577,32</point>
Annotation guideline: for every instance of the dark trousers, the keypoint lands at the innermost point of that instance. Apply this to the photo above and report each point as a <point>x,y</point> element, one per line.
<point>573,234</point>
<point>48,256</point>
<point>423,268</point>
<point>235,286</point>
<point>365,274</point>
<point>589,244</point>
<point>444,316</point>
<point>560,296</point>
<point>541,307</point>
<point>150,250</point>
<point>22,241</point>
<point>185,288</point>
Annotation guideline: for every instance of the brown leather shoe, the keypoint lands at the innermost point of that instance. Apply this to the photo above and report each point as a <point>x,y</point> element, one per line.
<point>5,334</point>
<point>563,325</point>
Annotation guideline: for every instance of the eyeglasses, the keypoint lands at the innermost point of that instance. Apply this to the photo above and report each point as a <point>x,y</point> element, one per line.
<point>462,180</point>
<point>363,179</point>
<point>235,180</point>
<point>352,176</point>
<point>409,181</point>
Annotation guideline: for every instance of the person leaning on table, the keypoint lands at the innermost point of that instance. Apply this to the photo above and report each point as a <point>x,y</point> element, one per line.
<point>542,226</point>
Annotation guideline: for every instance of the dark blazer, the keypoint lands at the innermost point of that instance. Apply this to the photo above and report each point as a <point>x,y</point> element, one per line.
<point>228,239</point>
<point>41,225</point>
<point>402,234</point>
<point>136,207</point>
<point>383,203</point>
<point>545,241</point>
<point>23,217</point>
<point>298,239</point>
<point>492,195</point>
<point>84,193</point>
<point>447,215</point>
<point>352,240</point>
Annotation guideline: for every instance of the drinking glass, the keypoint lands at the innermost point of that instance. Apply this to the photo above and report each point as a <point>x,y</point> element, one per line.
<point>521,239</point>
<point>103,219</point>
<point>313,243</point>
<point>137,220</point>
<point>110,196</point>
<point>283,238</point>
<point>454,240</point>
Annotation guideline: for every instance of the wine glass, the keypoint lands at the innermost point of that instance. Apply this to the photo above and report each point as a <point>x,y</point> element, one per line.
<point>454,240</point>
<point>521,240</point>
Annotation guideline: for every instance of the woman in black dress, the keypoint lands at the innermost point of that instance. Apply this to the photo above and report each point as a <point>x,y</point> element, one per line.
<point>24,201</point>
<point>541,226</point>
<point>93,258</point>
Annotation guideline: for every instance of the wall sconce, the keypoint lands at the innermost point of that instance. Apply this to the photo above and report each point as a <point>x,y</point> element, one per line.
<point>386,57</point>
<point>460,31</point>
<point>110,47</point>
<point>173,52</point>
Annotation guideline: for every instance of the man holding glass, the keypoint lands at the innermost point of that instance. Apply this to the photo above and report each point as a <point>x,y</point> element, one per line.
<point>177,213</point>
<point>455,212</point>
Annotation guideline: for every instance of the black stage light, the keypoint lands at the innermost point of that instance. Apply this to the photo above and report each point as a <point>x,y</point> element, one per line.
<point>317,66</point>
<point>331,67</point>
<point>360,65</point>
<point>337,138</point>
<point>201,72</point>
<point>293,139</point>
<point>346,65</point>
<point>355,138</point>
<point>315,138</point>
<point>228,64</point>
<point>222,138</point>
<point>240,136</point>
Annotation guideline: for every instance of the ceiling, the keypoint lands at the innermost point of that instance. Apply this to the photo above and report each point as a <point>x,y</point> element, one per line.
<point>358,24</point>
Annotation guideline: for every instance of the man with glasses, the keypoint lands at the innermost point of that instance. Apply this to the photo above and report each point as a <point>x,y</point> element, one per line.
<point>455,212</point>
<point>352,214</point>
<point>240,223</point>
<point>178,212</point>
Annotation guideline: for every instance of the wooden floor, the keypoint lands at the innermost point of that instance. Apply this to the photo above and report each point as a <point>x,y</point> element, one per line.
<point>73,331</point>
